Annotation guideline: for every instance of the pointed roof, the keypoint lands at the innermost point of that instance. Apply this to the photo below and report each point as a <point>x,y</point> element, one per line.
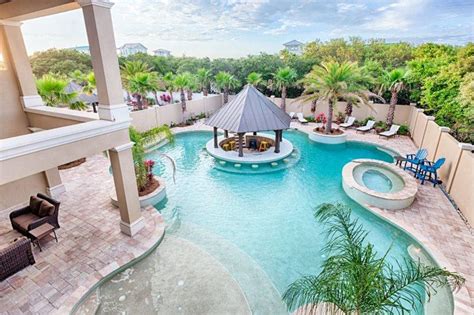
<point>250,111</point>
<point>293,43</point>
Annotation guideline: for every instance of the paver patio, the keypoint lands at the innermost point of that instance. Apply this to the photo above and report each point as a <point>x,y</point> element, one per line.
<point>91,245</point>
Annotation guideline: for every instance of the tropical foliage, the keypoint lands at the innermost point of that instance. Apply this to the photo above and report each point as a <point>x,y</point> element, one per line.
<point>203,78</point>
<point>283,79</point>
<point>141,140</point>
<point>140,84</point>
<point>53,91</point>
<point>182,82</point>
<point>355,279</point>
<point>225,82</point>
<point>255,79</point>
<point>393,81</point>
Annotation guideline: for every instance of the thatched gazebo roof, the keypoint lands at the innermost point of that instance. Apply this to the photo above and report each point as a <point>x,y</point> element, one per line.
<point>250,111</point>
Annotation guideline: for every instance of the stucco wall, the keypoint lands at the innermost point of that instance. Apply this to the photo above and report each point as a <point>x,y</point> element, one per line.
<point>462,188</point>
<point>431,139</point>
<point>420,127</point>
<point>13,120</point>
<point>18,192</point>
<point>448,148</point>
<point>49,122</point>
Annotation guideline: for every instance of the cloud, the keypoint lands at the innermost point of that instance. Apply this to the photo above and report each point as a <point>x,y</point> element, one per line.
<point>399,15</point>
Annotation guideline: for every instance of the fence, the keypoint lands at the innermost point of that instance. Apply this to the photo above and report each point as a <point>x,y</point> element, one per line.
<point>159,115</point>
<point>457,173</point>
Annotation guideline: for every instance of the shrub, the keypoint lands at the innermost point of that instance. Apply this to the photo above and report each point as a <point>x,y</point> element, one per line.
<point>310,118</point>
<point>340,117</point>
<point>404,131</point>
<point>321,118</point>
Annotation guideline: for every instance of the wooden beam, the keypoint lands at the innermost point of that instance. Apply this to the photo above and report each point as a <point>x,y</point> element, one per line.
<point>215,138</point>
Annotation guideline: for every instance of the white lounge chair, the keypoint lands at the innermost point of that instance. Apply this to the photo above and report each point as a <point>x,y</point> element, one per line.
<point>391,132</point>
<point>370,124</point>
<point>350,121</point>
<point>301,118</point>
<point>292,115</point>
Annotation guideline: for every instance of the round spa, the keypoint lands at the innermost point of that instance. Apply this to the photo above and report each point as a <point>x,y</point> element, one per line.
<point>379,184</point>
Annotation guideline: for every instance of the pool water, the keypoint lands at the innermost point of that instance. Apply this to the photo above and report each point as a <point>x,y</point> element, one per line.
<point>377,181</point>
<point>260,227</point>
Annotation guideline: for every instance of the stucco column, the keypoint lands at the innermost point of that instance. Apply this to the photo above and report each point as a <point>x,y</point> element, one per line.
<point>55,185</point>
<point>126,189</point>
<point>100,34</point>
<point>20,64</point>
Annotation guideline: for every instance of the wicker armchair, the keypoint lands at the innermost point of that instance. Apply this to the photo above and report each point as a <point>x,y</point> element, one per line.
<point>23,220</point>
<point>15,257</point>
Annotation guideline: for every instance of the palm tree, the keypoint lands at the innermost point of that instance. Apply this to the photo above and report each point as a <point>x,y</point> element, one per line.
<point>224,82</point>
<point>393,81</point>
<point>192,85</point>
<point>355,280</point>
<point>129,69</point>
<point>332,81</point>
<point>254,79</point>
<point>53,92</point>
<point>284,78</point>
<point>181,83</point>
<point>89,84</point>
<point>140,84</point>
<point>168,80</point>
<point>203,78</point>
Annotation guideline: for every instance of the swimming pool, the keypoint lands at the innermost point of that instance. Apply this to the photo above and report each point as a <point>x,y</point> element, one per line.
<point>261,227</point>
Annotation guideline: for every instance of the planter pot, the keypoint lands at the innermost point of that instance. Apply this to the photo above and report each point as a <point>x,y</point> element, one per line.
<point>328,139</point>
<point>148,200</point>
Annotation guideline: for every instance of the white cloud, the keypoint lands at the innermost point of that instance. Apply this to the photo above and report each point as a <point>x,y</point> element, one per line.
<point>397,16</point>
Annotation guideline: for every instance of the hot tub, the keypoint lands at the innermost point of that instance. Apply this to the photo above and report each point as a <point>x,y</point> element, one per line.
<point>379,184</point>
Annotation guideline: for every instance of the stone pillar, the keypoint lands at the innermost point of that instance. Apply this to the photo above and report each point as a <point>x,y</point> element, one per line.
<point>126,188</point>
<point>21,64</point>
<point>241,144</point>
<point>215,138</point>
<point>100,34</point>
<point>55,186</point>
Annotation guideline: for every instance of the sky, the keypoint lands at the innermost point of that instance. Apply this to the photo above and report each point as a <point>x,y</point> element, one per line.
<point>236,28</point>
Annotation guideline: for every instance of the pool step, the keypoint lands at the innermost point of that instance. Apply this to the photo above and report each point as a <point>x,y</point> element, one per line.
<point>257,286</point>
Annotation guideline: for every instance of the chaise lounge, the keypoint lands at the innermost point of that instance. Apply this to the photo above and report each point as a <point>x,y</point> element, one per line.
<point>370,124</point>
<point>42,209</point>
<point>391,132</point>
<point>349,122</point>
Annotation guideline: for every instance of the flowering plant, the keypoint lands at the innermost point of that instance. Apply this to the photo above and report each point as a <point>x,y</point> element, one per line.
<point>321,118</point>
<point>149,169</point>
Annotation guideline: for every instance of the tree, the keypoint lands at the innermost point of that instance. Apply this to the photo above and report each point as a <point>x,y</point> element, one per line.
<point>181,83</point>
<point>140,84</point>
<point>53,93</point>
<point>168,81</point>
<point>224,82</point>
<point>356,280</point>
<point>192,85</point>
<point>254,79</point>
<point>60,62</point>
<point>393,81</point>
<point>284,78</point>
<point>140,140</point>
<point>129,69</point>
<point>332,81</point>
<point>89,84</point>
<point>203,78</point>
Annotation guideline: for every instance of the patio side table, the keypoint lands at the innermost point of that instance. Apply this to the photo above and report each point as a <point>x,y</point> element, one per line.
<point>41,232</point>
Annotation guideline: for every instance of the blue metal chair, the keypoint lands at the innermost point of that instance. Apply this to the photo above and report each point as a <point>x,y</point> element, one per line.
<point>428,171</point>
<point>414,161</point>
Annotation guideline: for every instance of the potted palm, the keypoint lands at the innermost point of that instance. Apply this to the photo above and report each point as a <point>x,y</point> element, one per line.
<point>356,280</point>
<point>332,81</point>
<point>151,189</point>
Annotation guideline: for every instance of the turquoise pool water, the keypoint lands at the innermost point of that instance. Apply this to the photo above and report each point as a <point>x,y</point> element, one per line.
<point>377,181</point>
<point>265,220</point>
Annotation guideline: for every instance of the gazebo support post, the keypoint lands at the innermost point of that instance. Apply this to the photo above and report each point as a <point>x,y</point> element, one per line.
<point>281,135</point>
<point>226,133</point>
<point>241,144</point>
<point>215,138</point>
<point>254,133</point>
<point>277,141</point>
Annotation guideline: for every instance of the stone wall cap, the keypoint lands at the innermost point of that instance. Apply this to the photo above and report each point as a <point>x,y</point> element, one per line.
<point>466,146</point>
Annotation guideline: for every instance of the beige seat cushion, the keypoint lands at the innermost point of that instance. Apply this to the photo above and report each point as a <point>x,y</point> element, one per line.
<point>25,219</point>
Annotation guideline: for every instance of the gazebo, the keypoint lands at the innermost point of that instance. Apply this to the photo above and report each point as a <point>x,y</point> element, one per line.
<point>249,111</point>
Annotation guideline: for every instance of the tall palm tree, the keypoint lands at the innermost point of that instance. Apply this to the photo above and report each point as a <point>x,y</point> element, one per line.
<point>53,92</point>
<point>254,78</point>
<point>89,84</point>
<point>140,84</point>
<point>203,78</point>
<point>356,280</point>
<point>129,69</point>
<point>331,81</point>
<point>224,82</point>
<point>192,85</point>
<point>284,78</point>
<point>168,80</point>
<point>393,81</point>
<point>181,83</point>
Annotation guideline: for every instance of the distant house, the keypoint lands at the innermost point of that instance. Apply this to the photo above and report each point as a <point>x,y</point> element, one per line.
<point>82,49</point>
<point>162,52</point>
<point>131,48</point>
<point>294,46</point>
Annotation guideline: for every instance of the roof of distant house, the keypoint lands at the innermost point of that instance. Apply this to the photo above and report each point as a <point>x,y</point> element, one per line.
<point>293,43</point>
<point>250,111</point>
<point>132,45</point>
